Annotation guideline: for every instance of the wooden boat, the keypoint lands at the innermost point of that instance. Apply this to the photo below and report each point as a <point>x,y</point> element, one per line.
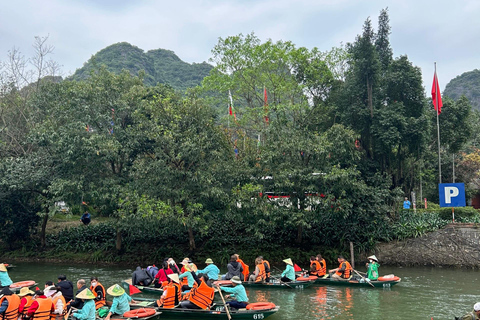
<point>143,314</point>
<point>217,312</point>
<point>273,284</point>
<point>382,282</point>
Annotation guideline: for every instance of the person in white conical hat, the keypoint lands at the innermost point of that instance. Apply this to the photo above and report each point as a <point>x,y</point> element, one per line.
<point>289,273</point>
<point>372,268</point>
<point>172,293</point>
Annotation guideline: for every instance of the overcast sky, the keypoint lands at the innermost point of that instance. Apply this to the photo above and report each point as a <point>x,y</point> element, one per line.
<point>447,32</point>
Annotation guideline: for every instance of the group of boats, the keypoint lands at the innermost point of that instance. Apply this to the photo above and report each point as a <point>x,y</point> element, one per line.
<point>145,308</point>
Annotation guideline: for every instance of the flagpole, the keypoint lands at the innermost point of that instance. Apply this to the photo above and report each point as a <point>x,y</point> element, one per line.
<point>438,127</point>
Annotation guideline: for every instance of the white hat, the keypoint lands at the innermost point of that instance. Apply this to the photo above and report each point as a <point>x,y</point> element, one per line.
<point>50,291</point>
<point>476,307</point>
<point>288,261</point>
<point>174,277</point>
<point>373,258</point>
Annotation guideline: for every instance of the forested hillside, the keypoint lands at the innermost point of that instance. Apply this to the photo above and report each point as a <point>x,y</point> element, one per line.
<point>467,84</point>
<point>160,66</point>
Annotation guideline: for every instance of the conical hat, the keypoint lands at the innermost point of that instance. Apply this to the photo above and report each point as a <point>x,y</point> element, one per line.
<point>24,291</point>
<point>174,277</point>
<point>85,294</point>
<point>373,258</point>
<point>2,267</point>
<point>115,290</point>
<point>288,261</point>
<point>209,260</point>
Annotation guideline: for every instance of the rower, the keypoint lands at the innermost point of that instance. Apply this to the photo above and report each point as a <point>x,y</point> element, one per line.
<point>5,280</point>
<point>237,292</point>
<point>210,270</point>
<point>343,271</point>
<point>121,301</point>
<point>474,315</point>
<point>372,268</point>
<point>88,310</point>
<point>289,273</point>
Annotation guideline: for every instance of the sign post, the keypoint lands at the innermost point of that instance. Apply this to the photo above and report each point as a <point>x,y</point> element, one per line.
<point>451,195</point>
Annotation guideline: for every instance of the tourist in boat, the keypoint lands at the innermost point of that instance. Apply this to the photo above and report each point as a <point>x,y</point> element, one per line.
<point>474,315</point>
<point>141,277</point>
<point>41,307</point>
<point>153,269</point>
<point>161,279</point>
<point>259,274</point>
<point>9,303</point>
<point>58,300</point>
<point>289,273</point>
<point>372,268</point>
<point>314,266</point>
<point>5,280</point>
<point>234,268</point>
<point>48,284</point>
<point>88,310</point>
<point>267,269</point>
<point>187,261</point>
<point>172,293</point>
<point>245,267</point>
<point>66,286</point>
<point>201,297</point>
<point>78,303</point>
<point>188,274</point>
<point>121,301</point>
<point>98,291</point>
<point>26,300</point>
<point>210,270</point>
<point>237,292</point>
<point>323,265</point>
<point>173,265</point>
<point>343,271</point>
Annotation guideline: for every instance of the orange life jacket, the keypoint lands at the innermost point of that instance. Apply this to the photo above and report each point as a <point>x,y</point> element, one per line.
<point>12,311</point>
<point>315,271</point>
<point>261,274</point>
<point>346,273</point>
<point>43,310</point>
<point>323,268</point>
<point>99,303</point>
<point>172,297</point>
<point>267,274</point>
<point>27,305</point>
<point>202,296</point>
<point>55,300</point>
<point>246,269</point>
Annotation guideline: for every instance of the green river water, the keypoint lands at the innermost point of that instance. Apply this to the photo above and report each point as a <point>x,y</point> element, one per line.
<point>423,293</point>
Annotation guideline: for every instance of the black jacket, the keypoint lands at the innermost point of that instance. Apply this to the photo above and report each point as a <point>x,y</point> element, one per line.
<point>140,275</point>
<point>234,269</point>
<point>77,303</point>
<point>66,287</point>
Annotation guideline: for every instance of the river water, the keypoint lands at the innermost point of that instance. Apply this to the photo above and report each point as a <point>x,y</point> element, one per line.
<point>423,293</point>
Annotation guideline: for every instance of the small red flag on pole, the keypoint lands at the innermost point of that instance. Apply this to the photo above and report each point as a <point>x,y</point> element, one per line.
<point>436,95</point>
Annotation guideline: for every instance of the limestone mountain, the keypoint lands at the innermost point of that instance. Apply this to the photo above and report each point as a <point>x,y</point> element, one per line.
<point>467,84</point>
<point>160,65</point>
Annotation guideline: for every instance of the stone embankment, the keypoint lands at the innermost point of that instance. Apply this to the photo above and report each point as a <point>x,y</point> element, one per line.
<point>456,245</point>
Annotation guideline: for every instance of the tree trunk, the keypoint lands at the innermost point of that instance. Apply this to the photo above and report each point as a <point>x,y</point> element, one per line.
<point>191,239</point>
<point>43,238</point>
<point>118,241</point>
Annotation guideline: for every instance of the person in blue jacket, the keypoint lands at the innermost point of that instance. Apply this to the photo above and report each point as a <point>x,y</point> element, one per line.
<point>210,270</point>
<point>88,310</point>
<point>5,280</point>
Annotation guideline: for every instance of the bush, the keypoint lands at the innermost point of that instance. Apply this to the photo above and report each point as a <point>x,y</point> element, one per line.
<point>460,213</point>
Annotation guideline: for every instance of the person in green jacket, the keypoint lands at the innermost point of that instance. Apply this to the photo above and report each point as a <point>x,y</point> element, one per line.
<point>88,310</point>
<point>289,273</point>
<point>237,293</point>
<point>372,268</point>
<point>5,280</point>
<point>472,315</point>
<point>121,301</point>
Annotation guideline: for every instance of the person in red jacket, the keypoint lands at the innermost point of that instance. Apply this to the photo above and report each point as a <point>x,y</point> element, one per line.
<point>41,307</point>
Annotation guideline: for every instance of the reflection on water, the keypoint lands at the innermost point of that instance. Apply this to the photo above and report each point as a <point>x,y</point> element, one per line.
<point>424,293</point>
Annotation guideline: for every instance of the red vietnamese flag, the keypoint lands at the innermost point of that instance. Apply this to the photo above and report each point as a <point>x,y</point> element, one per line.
<point>436,95</point>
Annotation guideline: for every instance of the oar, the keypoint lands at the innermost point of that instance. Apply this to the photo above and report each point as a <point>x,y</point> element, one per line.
<point>68,313</point>
<point>282,282</point>
<point>224,303</point>
<point>363,278</point>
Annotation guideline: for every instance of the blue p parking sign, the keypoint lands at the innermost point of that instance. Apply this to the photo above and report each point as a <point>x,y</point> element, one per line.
<point>452,194</point>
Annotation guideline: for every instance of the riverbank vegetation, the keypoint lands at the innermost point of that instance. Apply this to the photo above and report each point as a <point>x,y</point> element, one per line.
<point>316,150</point>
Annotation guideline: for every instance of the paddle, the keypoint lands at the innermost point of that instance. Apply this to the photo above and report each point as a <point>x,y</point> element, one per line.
<point>68,313</point>
<point>224,303</point>
<point>282,282</point>
<point>363,278</point>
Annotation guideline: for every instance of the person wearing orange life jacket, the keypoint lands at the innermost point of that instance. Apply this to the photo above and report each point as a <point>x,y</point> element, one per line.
<point>189,275</point>
<point>323,265</point>
<point>200,297</point>
<point>41,307</point>
<point>246,268</point>
<point>58,300</point>
<point>26,299</point>
<point>343,271</point>
<point>172,293</point>
<point>9,303</point>
<point>260,273</point>
<point>99,291</point>
<point>314,266</point>
<point>121,301</point>
<point>267,269</point>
